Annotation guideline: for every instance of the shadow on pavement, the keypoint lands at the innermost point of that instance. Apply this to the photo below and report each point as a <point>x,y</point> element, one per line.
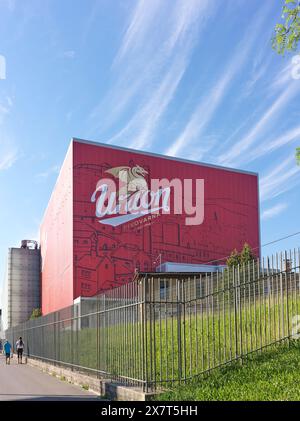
<point>49,398</point>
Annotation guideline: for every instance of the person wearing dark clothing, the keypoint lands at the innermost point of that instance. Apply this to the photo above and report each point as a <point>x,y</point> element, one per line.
<point>20,348</point>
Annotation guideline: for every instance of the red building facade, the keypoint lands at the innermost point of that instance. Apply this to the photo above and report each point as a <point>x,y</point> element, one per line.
<point>85,251</point>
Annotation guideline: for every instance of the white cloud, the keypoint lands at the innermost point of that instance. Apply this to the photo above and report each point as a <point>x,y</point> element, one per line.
<point>280,179</point>
<point>9,4</point>
<point>70,54</point>
<point>52,170</point>
<point>207,107</point>
<point>271,145</point>
<point>141,126</point>
<point>5,109</point>
<point>140,23</point>
<point>241,147</point>
<point>8,159</point>
<point>160,64</point>
<point>274,211</point>
<point>282,78</point>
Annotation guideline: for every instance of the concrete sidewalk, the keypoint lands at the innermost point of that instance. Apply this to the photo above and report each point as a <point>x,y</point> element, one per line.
<point>22,382</point>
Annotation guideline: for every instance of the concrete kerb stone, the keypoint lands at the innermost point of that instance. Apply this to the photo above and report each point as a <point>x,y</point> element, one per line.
<point>103,387</point>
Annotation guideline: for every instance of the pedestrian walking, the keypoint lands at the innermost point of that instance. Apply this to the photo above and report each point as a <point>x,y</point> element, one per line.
<point>20,348</point>
<point>7,351</point>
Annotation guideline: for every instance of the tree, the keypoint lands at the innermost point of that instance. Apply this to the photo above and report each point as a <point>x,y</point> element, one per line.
<point>36,312</point>
<point>244,257</point>
<point>241,260</point>
<point>234,259</point>
<point>287,34</point>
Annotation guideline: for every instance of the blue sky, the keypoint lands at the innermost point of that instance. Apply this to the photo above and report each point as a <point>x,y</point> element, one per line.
<point>190,78</point>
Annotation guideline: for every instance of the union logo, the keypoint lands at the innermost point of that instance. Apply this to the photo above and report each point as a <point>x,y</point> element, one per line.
<point>132,197</point>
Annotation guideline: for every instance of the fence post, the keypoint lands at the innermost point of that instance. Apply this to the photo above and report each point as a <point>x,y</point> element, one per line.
<point>240,311</point>
<point>142,286</point>
<point>179,330</point>
<point>281,298</point>
<point>235,312</point>
<point>287,278</point>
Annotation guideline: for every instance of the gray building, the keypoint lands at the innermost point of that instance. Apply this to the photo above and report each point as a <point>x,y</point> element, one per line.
<point>22,284</point>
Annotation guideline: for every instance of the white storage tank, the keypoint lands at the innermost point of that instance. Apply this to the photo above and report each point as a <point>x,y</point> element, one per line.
<point>22,289</point>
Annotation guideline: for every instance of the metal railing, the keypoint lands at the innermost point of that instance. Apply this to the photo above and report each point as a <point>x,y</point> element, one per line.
<point>164,329</point>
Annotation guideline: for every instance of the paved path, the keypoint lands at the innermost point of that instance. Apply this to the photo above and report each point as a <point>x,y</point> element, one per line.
<point>22,382</point>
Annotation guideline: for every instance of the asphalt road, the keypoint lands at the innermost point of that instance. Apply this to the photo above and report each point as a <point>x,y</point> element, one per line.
<point>22,382</point>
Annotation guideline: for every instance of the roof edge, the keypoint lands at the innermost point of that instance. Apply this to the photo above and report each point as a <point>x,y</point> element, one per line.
<point>171,158</point>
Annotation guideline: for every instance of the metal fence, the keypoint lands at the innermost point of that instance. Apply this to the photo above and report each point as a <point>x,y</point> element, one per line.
<point>163,329</point>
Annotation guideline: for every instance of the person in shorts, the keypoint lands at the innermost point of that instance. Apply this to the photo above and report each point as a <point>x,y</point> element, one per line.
<point>7,351</point>
<point>20,348</point>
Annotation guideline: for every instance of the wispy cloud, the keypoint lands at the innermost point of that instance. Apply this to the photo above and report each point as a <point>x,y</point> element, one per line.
<point>258,74</point>
<point>8,159</point>
<point>274,211</point>
<point>8,151</point>
<point>240,147</point>
<point>280,179</point>
<point>52,170</point>
<point>140,23</point>
<point>4,111</point>
<point>9,4</point>
<point>144,122</point>
<point>151,71</point>
<point>70,54</point>
<point>282,78</point>
<point>207,107</point>
<point>271,145</point>
<point>5,108</point>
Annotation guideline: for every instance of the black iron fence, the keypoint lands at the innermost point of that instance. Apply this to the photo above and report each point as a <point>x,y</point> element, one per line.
<point>164,329</point>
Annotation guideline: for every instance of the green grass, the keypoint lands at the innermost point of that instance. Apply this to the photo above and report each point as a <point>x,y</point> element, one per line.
<point>207,338</point>
<point>272,375</point>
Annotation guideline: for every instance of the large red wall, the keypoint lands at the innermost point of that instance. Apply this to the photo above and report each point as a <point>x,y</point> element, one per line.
<point>105,257</point>
<point>56,237</point>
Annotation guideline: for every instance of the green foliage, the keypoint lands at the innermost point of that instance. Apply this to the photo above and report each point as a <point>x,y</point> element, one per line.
<point>234,259</point>
<point>36,312</point>
<point>298,155</point>
<point>287,34</point>
<point>273,375</point>
<point>244,257</point>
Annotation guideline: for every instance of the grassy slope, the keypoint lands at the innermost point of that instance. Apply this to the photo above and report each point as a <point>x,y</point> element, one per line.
<point>272,375</point>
